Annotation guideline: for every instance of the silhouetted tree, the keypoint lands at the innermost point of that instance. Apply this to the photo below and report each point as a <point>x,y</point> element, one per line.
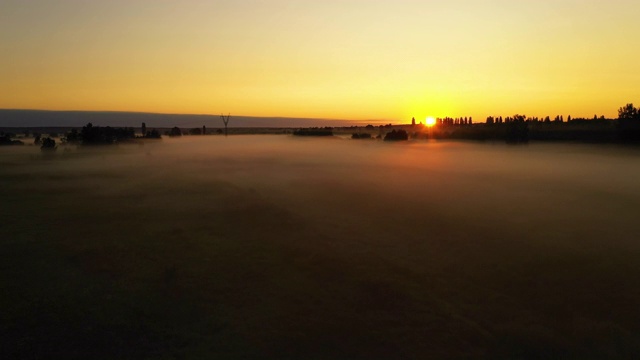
<point>628,112</point>
<point>88,135</point>
<point>48,144</point>
<point>96,135</point>
<point>396,135</point>
<point>327,131</point>
<point>361,136</point>
<point>517,130</point>
<point>153,134</point>
<point>144,129</point>
<point>629,123</point>
<point>175,131</point>
<point>73,136</point>
<point>5,139</point>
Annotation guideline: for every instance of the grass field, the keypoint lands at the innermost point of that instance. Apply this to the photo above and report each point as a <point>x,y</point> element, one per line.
<point>260,247</point>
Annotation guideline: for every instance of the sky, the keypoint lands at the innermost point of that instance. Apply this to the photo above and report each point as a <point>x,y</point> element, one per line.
<point>349,59</point>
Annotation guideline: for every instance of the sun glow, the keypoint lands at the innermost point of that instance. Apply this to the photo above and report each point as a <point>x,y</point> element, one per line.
<point>431,121</point>
<point>316,71</point>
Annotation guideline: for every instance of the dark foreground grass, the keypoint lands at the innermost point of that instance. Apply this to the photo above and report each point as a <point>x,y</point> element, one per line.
<point>148,253</point>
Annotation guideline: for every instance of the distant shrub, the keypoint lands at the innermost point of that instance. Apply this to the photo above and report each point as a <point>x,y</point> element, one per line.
<point>72,137</point>
<point>629,130</point>
<point>48,144</point>
<point>96,135</point>
<point>5,139</point>
<point>314,132</point>
<point>517,132</point>
<point>175,132</point>
<point>153,134</point>
<point>361,136</point>
<point>396,135</point>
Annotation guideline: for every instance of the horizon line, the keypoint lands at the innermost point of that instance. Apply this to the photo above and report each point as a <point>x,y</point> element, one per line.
<point>200,114</point>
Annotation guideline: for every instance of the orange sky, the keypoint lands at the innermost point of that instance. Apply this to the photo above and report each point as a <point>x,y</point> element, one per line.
<point>350,59</point>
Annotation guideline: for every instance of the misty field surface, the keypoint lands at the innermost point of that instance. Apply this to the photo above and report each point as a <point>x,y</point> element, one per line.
<point>275,247</point>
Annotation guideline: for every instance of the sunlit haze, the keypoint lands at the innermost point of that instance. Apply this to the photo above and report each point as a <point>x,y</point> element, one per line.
<point>349,59</point>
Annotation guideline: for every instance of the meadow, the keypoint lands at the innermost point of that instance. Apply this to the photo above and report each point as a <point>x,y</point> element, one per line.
<point>271,246</point>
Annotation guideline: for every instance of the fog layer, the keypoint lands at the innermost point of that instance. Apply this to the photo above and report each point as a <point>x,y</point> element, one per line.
<point>279,247</point>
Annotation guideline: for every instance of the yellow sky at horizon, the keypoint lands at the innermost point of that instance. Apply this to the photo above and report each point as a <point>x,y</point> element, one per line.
<point>350,59</point>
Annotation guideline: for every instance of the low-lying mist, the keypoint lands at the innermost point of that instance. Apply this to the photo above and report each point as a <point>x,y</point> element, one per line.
<point>282,247</point>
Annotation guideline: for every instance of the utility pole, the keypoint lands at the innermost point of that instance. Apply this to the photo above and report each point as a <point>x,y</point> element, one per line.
<point>225,120</point>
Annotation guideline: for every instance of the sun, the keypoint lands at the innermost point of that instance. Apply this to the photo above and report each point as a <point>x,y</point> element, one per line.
<point>431,121</point>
